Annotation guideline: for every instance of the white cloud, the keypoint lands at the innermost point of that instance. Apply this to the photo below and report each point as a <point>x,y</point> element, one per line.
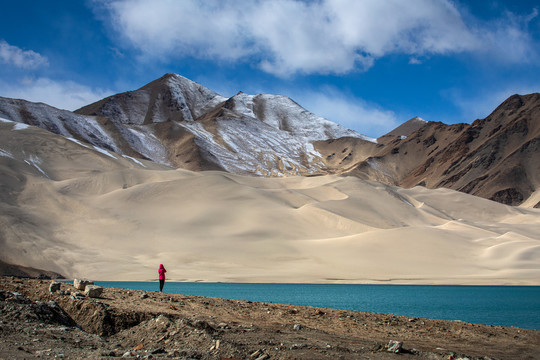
<point>508,38</point>
<point>66,95</point>
<point>349,111</point>
<point>26,59</point>
<point>327,36</point>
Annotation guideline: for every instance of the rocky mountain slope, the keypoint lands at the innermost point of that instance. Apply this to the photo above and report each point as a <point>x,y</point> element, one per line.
<point>496,158</point>
<point>176,122</point>
<point>81,210</point>
<point>199,129</point>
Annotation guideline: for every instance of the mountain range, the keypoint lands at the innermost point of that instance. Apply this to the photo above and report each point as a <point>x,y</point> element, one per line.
<point>117,187</point>
<point>176,122</point>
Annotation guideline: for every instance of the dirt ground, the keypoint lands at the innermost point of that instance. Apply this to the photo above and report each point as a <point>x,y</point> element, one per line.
<point>140,324</point>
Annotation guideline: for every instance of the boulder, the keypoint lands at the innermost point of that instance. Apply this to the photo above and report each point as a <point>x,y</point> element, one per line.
<point>76,296</point>
<point>395,346</point>
<point>54,286</point>
<point>81,284</point>
<point>93,291</point>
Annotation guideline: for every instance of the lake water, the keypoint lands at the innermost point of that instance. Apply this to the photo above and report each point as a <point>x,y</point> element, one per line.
<point>493,305</point>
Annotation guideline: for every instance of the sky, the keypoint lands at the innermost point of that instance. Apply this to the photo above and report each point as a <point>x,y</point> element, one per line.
<point>368,65</point>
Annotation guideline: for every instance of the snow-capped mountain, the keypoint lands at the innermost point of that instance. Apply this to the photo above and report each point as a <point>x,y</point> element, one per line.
<point>177,122</point>
<point>284,114</point>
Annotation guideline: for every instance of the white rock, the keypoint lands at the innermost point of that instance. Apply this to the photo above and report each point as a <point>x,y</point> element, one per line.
<point>93,291</point>
<point>81,284</point>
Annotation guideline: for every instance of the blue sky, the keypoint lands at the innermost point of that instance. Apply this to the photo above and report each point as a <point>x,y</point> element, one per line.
<point>366,64</point>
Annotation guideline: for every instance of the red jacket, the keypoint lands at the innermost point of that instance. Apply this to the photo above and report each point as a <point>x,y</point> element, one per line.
<point>161,272</point>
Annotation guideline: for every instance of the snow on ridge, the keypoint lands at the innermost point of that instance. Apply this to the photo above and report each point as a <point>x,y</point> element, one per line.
<point>105,152</point>
<point>283,113</point>
<point>196,98</point>
<point>35,162</point>
<point>16,125</point>
<point>57,121</point>
<point>254,147</point>
<point>78,142</point>
<point>134,160</point>
<point>142,140</point>
<point>5,153</point>
<point>96,148</point>
<point>20,126</point>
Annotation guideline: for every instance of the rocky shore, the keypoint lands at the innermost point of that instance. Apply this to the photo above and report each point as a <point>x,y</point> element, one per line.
<point>38,323</point>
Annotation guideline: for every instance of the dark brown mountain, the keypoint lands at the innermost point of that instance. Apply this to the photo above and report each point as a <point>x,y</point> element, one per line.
<point>497,158</point>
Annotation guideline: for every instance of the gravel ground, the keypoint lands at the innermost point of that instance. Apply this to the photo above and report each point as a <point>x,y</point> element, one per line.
<point>35,323</point>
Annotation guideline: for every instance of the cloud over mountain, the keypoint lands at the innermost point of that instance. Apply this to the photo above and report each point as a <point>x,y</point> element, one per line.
<point>292,36</point>
<point>15,56</point>
<point>68,95</point>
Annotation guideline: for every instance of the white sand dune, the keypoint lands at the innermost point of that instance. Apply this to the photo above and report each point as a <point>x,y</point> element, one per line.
<point>85,213</point>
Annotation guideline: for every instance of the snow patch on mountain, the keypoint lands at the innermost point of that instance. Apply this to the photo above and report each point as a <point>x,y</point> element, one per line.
<point>5,153</point>
<point>243,146</point>
<point>34,161</point>
<point>104,152</point>
<point>143,140</point>
<point>61,122</point>
<point>20,126</point>
<point>78,142</point>
<point>193,98</point>
<point>283,113</point>
<point>134,160</point>
<point>269,135</point>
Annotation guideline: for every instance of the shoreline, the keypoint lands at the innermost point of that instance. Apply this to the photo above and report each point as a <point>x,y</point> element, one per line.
<point>166,325</point>
<point>363,297</point>
<point>307,283</point>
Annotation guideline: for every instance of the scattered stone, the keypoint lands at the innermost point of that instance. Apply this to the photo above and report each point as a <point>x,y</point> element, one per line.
<point>395,346</point>
<point>162,319</point>
<point>77,296</point>
<point>81,284</point>
<point>18,297</point>
<point>54,287</point>
<point>93,291</point>
<point>144,296</point>
<point>297,327</point>
<point>256,354</point>
<point>138,347</point>
<point>127,354</point>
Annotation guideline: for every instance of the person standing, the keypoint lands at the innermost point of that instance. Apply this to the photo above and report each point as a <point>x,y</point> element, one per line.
<point>161,272</point>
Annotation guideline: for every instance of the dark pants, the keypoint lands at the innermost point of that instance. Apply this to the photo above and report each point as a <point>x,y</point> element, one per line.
<point>161,283</point>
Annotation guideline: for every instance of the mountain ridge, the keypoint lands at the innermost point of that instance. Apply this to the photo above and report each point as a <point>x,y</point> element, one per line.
<point>177,122</point>
<point>82,211</point>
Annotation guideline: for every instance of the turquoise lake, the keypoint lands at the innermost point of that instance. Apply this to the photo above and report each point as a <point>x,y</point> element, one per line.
<point>492,305</point>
